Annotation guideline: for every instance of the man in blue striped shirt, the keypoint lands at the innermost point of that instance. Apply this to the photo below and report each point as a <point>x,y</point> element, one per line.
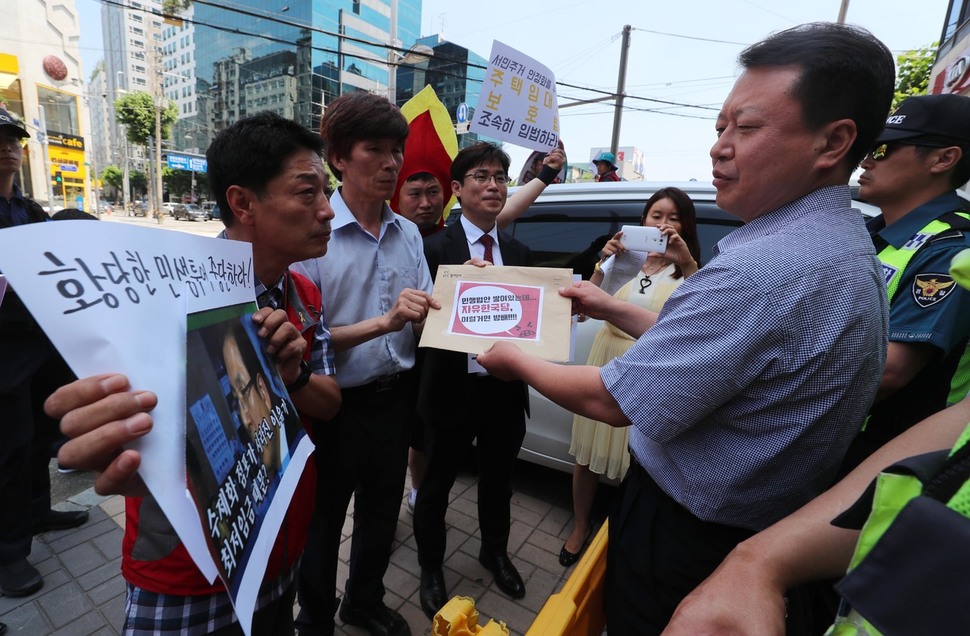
<point>747,388</point>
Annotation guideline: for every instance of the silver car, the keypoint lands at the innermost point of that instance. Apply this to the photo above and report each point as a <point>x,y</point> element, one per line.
<point>189,212</point>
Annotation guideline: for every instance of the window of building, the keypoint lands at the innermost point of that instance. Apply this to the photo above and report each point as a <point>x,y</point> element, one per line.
<point>60,110</point>
<point>957,16</point>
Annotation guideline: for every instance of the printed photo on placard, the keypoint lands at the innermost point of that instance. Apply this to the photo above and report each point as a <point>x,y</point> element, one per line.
<point>241,433</point>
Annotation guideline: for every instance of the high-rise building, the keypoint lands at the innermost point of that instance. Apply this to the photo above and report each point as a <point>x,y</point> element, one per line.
<point>132,32</point>
<point>178,72</point>
<point>99,104</point>
<point>455,73</point>
<point>293,61</point>
<point>42,83</point>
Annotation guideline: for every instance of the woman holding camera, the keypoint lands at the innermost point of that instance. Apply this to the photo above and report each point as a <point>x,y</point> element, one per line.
<point>599,448</point>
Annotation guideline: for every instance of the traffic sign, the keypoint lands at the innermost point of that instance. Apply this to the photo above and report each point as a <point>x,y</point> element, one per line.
<point>179,161</point>
<point>66,167</point>
<point>461,114</point>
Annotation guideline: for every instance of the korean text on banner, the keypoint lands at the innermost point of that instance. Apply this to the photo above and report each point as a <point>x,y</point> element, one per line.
<point>518,101</point>
<point>113,298</point>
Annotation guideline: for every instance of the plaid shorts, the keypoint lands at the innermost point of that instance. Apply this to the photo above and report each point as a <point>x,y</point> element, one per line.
<point>153,614</point>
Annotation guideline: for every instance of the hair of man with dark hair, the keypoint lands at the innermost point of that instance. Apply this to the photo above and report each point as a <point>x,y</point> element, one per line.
<point>252,152</point>
<point>353,117</point>
<point>237,333</point>
<point>73,214</point>
<point>846,73</point>
<point>478,155</point>
<point>420,176</point>
<point>688,219</point>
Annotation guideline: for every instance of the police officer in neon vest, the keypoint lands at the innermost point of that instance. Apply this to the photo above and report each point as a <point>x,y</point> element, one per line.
<point>920,159</point>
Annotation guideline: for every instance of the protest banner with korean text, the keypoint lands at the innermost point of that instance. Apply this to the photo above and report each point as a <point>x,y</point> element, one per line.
<point>518,101</point>
<point>114,298</point>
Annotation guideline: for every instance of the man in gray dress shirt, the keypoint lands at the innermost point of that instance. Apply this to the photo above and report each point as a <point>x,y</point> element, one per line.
<point>377,291</point>
<point>762,366</point>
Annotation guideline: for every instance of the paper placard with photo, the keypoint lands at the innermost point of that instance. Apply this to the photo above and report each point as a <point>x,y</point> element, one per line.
<point>484,305</point>
<point>245,447</point>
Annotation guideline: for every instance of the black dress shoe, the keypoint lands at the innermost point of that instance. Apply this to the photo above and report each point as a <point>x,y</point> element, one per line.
<point>58,520</point>
<point>378,620</point>
<point>506,576</point>
<point>19,578</point>
<point>567,558</point>
<point>433,594</point>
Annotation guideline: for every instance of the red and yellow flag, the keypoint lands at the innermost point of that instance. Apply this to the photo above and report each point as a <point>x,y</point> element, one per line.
<point>431,145</point>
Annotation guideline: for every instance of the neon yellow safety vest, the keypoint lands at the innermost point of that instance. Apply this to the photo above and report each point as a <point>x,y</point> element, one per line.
<point>893,492</point>
<point>894,262</point>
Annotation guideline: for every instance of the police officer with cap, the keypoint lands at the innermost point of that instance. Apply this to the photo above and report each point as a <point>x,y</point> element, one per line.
<point>30,370</point>
<point>920,159</point>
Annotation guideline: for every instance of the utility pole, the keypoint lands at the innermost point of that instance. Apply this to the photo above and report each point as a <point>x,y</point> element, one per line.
<point>126,181</point>
<point>47,158</point>
<point>842,11</point>
<point>620,89</point>
<point>158,100</point>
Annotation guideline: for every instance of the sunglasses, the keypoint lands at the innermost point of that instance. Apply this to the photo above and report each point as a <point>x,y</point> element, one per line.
<point>882,151</point>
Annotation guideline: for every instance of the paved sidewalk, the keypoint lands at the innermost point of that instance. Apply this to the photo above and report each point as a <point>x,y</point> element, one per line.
<point>84,593</point>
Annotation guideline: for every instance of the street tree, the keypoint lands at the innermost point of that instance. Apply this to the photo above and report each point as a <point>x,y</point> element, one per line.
<point>913,72</point>
<point>114,177</point>
<point>179,182</point>
<point>175,7</point>
<point>137,112</point>
<point>138,181</point>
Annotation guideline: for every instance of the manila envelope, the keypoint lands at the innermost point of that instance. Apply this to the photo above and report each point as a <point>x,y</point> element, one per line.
<point>484,305</point>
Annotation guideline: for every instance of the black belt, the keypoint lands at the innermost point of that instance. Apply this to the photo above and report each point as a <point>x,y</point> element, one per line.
<point>380,385</point>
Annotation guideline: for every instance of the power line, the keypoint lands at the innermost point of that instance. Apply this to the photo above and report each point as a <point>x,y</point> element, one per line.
<point>296,24</point>
<point>691,37</point>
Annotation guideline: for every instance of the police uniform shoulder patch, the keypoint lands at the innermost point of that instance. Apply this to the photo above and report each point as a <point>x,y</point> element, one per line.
<point>929,289</point>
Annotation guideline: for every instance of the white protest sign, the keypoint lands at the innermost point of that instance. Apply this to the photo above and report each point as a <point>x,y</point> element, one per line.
<point>112,298</point>
<point>518,101</point>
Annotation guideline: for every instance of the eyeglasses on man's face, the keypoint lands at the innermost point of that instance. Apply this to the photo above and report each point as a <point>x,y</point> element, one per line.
<point>482,177</point>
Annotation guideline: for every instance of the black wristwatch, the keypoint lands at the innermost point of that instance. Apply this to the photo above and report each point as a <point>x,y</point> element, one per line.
<point>302,379</point>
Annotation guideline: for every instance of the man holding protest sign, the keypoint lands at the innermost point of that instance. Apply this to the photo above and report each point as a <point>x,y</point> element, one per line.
<point>268,178</point>
<point>476,406</point>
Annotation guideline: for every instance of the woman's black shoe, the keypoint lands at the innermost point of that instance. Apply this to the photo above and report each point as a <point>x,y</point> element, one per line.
<point>567,558</point>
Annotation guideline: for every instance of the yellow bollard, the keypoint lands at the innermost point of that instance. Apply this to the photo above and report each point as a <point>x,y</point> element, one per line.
<point>460,618</point>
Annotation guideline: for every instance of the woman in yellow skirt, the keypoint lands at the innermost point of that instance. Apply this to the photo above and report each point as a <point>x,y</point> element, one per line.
<point>601,449</point>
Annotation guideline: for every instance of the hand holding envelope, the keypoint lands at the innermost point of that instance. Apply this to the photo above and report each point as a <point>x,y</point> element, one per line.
<point>484,305</point>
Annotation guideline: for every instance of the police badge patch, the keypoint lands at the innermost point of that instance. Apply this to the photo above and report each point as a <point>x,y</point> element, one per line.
<point>929,289</point>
